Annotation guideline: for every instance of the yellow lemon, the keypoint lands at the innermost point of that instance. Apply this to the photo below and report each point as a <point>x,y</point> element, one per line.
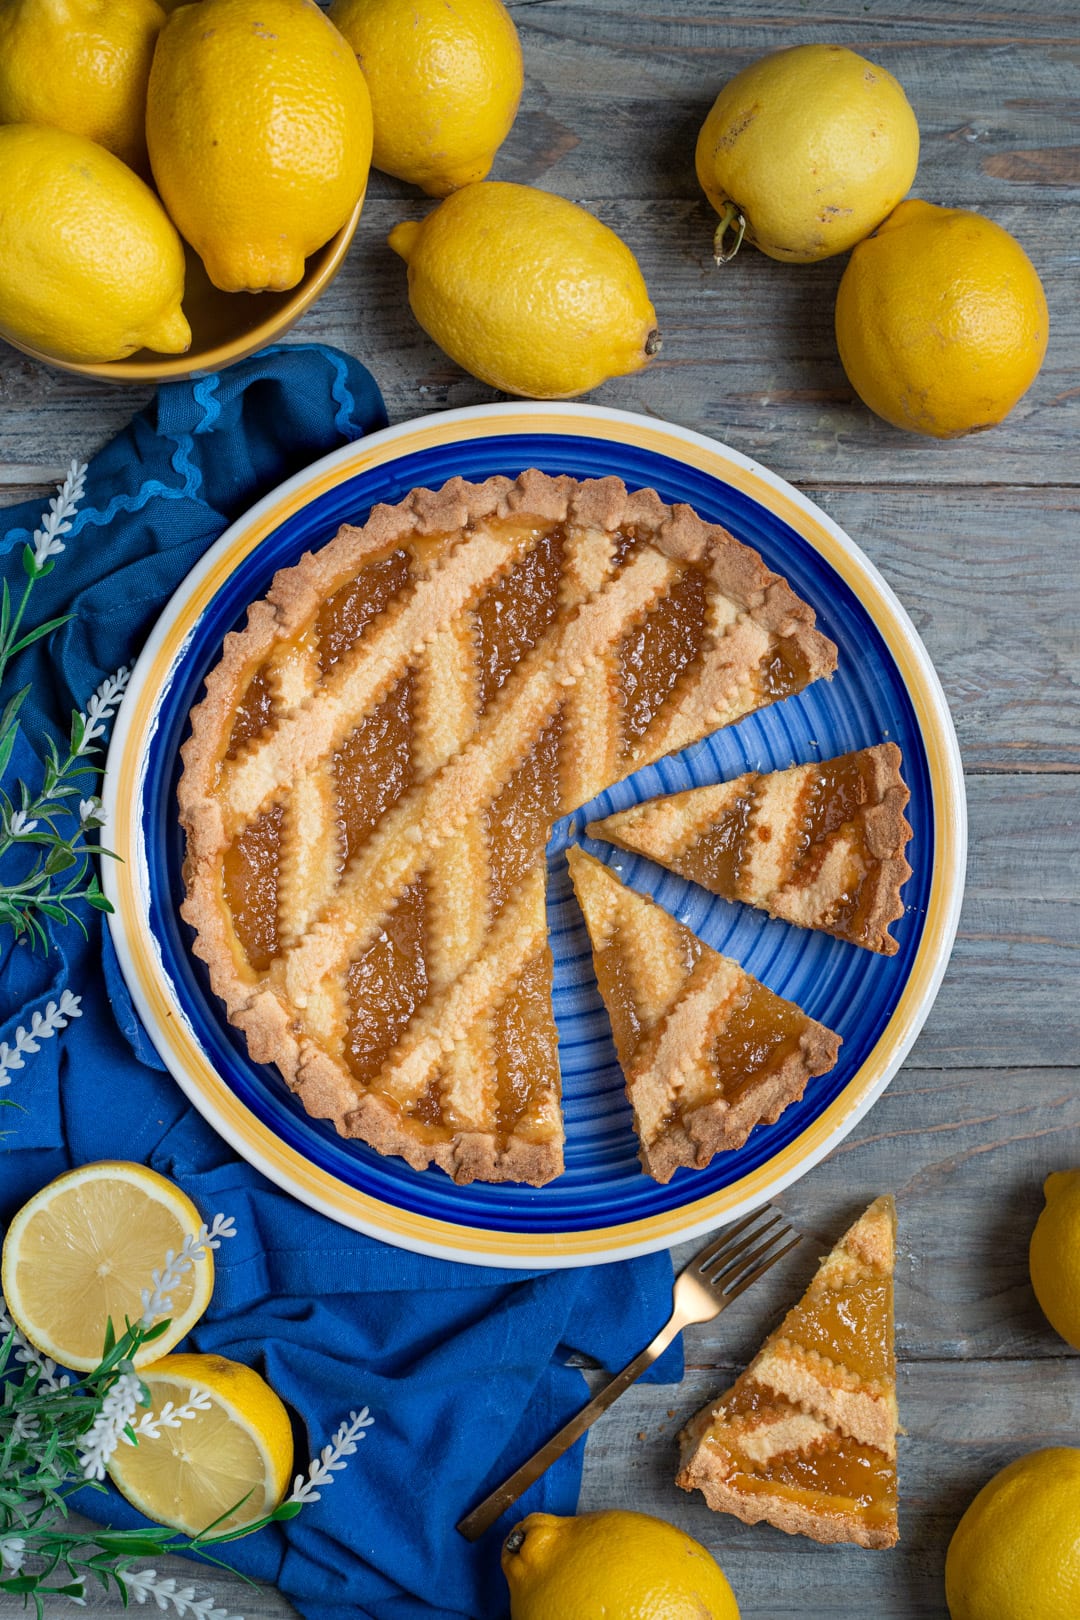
<point>231,1455</point>
<point>91,267</point>
<point>80,65</point>
<point>941,320</point>
<point>445,78</point>
<point>81,1251</point>
<point>259,127</point>
<point>1054,1255</point>
<point>1015,1555</point>
<point>527,291</point>
<point>810,147</point>
<point>626,1565</point>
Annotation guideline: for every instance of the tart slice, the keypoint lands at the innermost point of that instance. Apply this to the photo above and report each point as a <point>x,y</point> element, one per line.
<point>806,1437</point>
<point>819,845</point>
<point>707,1051</point>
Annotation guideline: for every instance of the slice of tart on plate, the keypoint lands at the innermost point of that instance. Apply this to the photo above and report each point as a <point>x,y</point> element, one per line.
<point>708,1052</point>
<point>806,1437</point>
<point>820,845</point>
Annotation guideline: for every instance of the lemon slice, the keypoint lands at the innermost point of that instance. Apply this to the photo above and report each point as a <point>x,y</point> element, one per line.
<point>83,1249</point>
<point>233,1458</point>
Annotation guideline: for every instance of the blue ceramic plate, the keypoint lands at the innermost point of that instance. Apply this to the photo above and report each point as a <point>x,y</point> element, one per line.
<point>604,1206</point>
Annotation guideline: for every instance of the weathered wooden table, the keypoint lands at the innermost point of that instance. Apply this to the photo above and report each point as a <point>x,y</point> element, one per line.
<point>981,540</point>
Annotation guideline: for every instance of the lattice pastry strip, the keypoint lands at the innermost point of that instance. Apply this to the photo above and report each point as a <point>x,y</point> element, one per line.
<point>820,845</point>
<point>521,645</point>
<point>718,1056</point>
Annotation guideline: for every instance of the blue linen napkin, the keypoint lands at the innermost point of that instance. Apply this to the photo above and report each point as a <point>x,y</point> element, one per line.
<point>462,1367</point>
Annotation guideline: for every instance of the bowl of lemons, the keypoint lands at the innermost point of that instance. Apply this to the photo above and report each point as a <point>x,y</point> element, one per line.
<point>175,196</point>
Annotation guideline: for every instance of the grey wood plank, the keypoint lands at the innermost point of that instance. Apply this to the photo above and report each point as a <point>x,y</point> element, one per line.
<point>992,583</point>
<point>1004,1001</point>
<point>966,1153</point>
<point>654,72</point>
<point>964,1421</point>
<point>749,356</point>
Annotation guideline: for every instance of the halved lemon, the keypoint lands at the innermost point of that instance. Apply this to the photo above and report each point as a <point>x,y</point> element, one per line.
<point>82,1250</point>
<point>230,1462</point>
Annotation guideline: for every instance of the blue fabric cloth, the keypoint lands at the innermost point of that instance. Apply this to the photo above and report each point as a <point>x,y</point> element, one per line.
<point>463,1368</point>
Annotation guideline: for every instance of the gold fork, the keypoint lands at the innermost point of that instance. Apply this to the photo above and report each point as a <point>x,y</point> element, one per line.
<point>706,1286</point>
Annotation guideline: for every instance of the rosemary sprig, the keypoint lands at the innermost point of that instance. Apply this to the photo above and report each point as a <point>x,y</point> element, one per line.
<point>56,1437</point>
<point>53,873</point>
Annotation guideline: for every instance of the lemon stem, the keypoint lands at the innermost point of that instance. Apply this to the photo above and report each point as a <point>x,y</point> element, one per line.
<point>731,219</point>
<point>654,342</point>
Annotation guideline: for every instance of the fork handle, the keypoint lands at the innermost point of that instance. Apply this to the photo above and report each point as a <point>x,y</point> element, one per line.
<point>482,1517</point>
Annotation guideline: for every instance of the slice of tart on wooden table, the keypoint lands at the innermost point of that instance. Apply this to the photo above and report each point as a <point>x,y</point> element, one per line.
<point>806,1437</point>
<point>820,845</point>
<point>708,1052</point>
<point>374,772</point>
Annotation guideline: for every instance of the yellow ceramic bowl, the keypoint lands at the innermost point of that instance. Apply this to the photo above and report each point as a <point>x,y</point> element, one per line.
<point>224,326</point>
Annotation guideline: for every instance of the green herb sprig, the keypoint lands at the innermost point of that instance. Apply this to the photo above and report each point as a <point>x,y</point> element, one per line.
<point>59,874</point>
<point>57,1435</point>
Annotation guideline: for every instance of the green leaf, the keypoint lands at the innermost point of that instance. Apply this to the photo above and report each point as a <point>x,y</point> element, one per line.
<point>41,629</point>
<point>13,705</point>
<point>29,562</point>
<point>132,1544</point>
<point>287,1510</point>
<point>99,902</point>
<point>60,859</point>
<point>78,731</point>
<point>7,743</point>
<point>110,1338</point>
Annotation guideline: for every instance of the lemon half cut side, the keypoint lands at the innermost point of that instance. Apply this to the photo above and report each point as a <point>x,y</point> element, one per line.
<point>226,1464</point>
<point>81,1251</point>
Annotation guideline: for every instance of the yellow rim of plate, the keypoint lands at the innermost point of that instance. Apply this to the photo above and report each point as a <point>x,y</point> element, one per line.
<point>254,1140</point>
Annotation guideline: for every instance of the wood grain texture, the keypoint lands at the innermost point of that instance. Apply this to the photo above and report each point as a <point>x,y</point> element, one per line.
<point>981,540</point>
<point>749,356</point>
<point>963,1422</point>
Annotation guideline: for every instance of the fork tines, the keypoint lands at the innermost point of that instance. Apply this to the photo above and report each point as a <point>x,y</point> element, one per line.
<point>746,1251</point>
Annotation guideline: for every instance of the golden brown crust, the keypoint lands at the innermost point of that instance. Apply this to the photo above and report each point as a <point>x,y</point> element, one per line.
<point>794,1518</point>
<point>887,833</point>
<point>264,1005</point>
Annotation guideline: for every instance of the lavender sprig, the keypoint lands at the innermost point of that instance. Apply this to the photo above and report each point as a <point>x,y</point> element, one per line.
<point>43,1025</point>
<point>58,876</point>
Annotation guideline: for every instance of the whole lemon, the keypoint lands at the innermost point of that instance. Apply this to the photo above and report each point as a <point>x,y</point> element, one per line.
<point>445,78</point>
<point>1054,1255</point>
<point>1015,1555</point>
<point>259,127</point>
<point>811,147</point>
<point>941,320</point>
<point>91,267</point>
<point>527,291</point>
<point>626,1565</point>
<point>81,65</point>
